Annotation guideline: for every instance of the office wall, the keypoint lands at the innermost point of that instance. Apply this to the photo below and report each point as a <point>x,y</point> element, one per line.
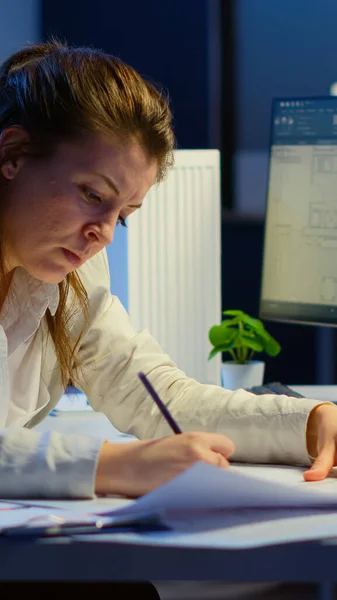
<point>282,47</point>
<point>173,43</point>
<point>19,24</point>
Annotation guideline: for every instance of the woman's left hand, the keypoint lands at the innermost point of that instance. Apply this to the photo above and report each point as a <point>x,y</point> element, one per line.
<point>322,441</point>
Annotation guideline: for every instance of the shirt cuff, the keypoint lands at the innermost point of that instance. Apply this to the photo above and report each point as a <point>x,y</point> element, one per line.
<point>48,465</point>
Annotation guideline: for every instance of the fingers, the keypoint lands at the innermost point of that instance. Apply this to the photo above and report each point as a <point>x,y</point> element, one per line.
<point>214,441</point>
<point>209,447</point>
<point>220,460</point>
<point>225,447</point>
<point>214,458</point>
<point>220,443</point>
<point>323,464</point>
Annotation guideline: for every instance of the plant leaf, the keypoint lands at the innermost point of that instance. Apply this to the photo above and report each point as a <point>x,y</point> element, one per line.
<point>227,323</point>
<point>254,324</point>
<point>271,346</point>
<point>247,341</point>
<point>239,332</point>
<point>263,334</point>
<point>215,351</point>
<point>219,335</point>
<point>233,313</point>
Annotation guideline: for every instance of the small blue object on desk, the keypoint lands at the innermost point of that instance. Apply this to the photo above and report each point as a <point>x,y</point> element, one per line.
<point>73,401</point>
<point>274,388</point>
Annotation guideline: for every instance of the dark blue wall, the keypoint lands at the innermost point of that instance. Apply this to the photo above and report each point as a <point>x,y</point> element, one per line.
<point>166,41</point>
<point>283,48</point>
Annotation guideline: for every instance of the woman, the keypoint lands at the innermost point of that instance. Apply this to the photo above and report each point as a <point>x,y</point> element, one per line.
<point>82,139</point>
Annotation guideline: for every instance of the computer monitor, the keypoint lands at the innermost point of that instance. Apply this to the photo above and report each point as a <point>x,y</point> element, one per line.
<point>299,273</point>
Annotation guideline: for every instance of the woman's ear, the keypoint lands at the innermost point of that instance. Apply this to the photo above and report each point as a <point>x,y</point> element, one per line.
<point>13,140</point>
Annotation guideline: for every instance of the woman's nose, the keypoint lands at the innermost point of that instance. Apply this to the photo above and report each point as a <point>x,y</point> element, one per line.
<point>101,233</point>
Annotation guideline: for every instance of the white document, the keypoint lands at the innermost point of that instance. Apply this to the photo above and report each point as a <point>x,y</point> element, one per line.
<point>246,506</point>
<point>96,506</point>
<point>20,516</point>
<point>235,529</point>
<point>204,487</point>
<point>74,515</point>
<point>39,513</point>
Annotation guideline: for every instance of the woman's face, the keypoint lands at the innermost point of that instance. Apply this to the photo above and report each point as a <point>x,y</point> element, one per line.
<point>62,210</point>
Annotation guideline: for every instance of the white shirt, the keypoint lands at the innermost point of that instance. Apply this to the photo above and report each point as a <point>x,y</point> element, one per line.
<point>264,428</point>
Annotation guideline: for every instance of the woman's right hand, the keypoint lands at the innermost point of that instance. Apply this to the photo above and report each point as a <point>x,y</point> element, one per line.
<point>135,468</point>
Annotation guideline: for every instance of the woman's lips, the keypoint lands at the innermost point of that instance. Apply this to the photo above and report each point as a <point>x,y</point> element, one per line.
<point>71,257</point>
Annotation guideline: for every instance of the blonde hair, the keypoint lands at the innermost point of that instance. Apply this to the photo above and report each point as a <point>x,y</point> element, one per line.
<point>60,93</point>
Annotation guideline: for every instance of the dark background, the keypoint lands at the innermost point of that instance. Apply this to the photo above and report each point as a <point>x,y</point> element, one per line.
<point>222,62</point>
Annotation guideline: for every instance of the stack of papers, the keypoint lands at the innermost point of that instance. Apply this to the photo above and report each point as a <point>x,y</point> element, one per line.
<point>40,519</point>
<point>241,507</point>
<point>204,487</point>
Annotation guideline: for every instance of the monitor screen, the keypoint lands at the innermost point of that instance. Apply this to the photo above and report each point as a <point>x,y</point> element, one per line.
<point>299,274</point>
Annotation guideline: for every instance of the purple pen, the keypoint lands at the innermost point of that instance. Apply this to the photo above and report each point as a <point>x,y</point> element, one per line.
<point>163,409</point>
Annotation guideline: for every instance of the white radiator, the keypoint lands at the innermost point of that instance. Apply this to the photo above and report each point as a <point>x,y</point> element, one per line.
<point>174,262</point>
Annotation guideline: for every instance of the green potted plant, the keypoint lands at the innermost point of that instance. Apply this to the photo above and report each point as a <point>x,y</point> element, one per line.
<point>241,336</point>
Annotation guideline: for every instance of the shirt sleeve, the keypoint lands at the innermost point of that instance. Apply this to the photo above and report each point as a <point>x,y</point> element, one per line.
<point>47,465</point>
<point>267,429</point>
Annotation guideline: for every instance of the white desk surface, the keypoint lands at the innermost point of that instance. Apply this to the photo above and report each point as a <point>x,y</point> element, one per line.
<point>317,392</point>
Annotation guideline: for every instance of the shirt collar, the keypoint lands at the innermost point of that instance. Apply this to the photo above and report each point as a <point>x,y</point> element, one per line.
<point>25,306</point>
<point>42,295</point>
<point>30,294</point>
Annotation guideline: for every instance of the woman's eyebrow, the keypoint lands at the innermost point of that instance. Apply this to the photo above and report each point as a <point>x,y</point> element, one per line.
<point>113,186</point>
<point>108,181</point>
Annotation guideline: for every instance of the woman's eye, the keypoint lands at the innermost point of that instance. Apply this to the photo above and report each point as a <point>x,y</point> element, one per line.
<point>91,196</point>
<point>121,221</point>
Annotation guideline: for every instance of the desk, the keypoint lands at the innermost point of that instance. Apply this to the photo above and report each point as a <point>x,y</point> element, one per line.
<point>317,392</point>
<point>68,559</point>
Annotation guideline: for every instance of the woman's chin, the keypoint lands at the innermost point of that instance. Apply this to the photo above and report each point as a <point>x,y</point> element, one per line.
<point>49,275</point>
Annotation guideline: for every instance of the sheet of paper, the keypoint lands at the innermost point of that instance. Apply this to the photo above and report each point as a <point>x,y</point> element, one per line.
<point>73,515</point>
<point>4,505</point>
<point>236,529</point>
<point>205,487</point>
<point>241,528</point>
<point>243,506</point>
<point>286,475</point>
<point>95,506</point>
<point>20,516</point>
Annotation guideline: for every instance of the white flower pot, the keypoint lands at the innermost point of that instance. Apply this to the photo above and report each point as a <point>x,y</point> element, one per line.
<point>235,376</point>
